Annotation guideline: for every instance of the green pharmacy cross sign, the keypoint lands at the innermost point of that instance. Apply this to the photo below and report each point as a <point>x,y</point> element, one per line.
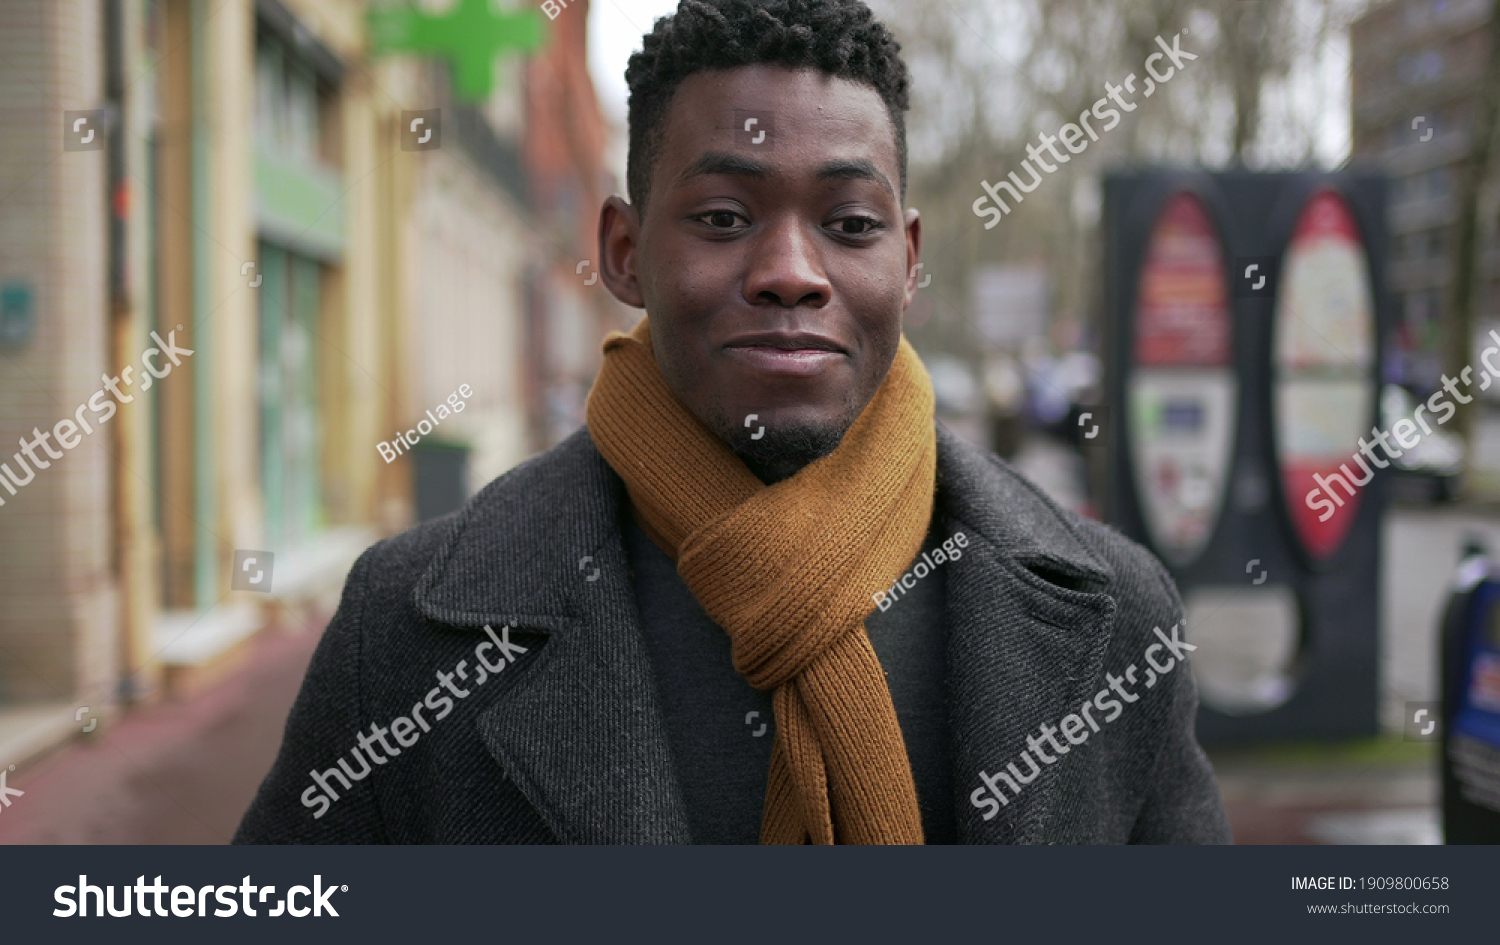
<point>470,35</point>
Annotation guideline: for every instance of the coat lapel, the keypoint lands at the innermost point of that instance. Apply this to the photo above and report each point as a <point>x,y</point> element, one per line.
<point>1027,631</point>
<point>579,732</point>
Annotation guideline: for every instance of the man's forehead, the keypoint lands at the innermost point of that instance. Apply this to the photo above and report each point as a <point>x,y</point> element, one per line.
<point>766,112</point>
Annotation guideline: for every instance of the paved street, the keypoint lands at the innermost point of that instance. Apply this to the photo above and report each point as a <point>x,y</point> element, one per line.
<point>178,772</point>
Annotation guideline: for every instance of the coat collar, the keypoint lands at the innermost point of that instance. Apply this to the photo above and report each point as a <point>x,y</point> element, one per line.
<point>582,733</point>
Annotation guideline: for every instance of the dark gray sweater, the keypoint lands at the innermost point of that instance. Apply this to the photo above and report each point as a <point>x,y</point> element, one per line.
<point>720,728</point>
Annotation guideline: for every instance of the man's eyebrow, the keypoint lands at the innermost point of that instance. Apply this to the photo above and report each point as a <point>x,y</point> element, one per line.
<point>724,162</point>
<point>727,162</point>
<point>860,169</point>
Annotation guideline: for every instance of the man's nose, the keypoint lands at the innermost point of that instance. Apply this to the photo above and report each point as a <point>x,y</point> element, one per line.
<point>786,267</point>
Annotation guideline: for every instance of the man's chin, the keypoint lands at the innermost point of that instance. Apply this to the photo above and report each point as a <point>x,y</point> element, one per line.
<point>776,451</point>
<point>779,454</point>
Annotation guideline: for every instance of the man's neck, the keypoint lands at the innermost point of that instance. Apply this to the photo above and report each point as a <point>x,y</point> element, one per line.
<point>773,471</point>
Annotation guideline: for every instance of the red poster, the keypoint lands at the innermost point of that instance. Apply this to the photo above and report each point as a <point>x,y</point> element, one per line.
<point>1182,310</point>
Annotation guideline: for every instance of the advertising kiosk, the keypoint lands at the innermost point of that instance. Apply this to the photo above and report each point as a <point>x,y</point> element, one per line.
<point>1243,327</point>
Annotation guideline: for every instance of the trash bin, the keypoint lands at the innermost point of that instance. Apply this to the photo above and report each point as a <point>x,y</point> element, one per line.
<point>440,477</point>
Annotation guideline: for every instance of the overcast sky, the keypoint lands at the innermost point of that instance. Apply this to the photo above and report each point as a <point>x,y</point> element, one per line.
<point>615,31</point>
<point>1316,90</point>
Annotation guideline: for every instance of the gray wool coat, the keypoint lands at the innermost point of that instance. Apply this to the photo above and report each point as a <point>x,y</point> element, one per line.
<point>558,735</point>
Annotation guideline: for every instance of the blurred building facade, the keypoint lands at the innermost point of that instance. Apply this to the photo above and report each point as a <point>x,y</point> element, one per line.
<point>569,311</point>
<point>1418,70</point>
<point>255,202</point>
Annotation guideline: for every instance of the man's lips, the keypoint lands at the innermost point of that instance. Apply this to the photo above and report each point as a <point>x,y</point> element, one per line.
<point>788,354</point>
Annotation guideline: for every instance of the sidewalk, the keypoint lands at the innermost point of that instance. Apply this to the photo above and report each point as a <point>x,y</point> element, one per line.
<point>176,772</point>
<point>1380,791</point>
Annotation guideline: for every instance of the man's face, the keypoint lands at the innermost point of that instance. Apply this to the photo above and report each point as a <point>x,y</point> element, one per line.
<point>774,267</point>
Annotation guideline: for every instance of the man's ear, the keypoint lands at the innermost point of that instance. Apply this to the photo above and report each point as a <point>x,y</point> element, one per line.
<point>913,253</point>
<point>619,239</point>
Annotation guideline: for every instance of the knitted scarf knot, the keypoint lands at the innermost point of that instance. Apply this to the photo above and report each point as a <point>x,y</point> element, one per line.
<point>788,571</point>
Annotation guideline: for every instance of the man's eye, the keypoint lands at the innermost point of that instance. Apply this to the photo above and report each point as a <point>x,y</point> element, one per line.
<point>719,219</point>
<point>863,225</point>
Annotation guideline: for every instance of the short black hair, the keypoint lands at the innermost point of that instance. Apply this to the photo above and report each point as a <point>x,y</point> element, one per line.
<point>839,37</point>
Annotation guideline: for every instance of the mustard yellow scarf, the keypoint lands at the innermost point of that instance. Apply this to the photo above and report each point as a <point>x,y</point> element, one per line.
<point>789,571</point>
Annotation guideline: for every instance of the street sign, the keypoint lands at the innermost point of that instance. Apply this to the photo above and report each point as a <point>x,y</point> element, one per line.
<point>470,36</point>
<point>1012,303</point>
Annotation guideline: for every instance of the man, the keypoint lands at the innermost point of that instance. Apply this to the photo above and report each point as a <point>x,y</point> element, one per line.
<point>761,597</point>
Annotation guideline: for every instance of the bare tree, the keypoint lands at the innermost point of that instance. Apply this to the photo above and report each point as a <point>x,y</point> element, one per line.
<point>991,75</point>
